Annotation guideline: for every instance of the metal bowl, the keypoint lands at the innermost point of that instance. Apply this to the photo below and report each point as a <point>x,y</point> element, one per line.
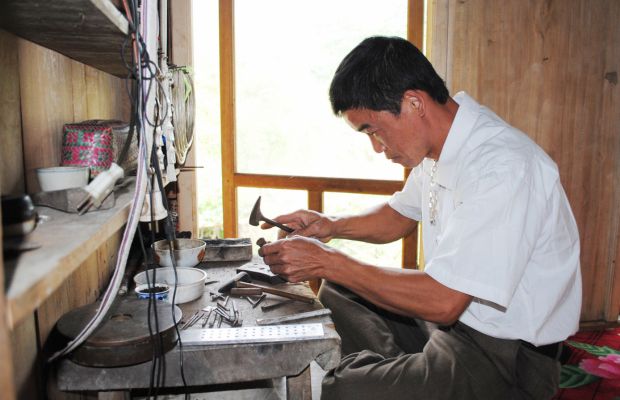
<point>188,252</point>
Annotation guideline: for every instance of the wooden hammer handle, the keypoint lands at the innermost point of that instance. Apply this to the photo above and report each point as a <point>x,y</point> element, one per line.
<point>277,292</point>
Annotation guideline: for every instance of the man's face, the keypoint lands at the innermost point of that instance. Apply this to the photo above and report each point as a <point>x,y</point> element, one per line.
<point>401,138</point>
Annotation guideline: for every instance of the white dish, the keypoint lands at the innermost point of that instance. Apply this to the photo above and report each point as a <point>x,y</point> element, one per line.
<point>188,252</point>
<point>59,178</point>
<point>190,282</point>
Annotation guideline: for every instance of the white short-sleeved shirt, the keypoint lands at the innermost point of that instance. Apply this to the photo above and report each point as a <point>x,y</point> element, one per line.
<point>504,231</point>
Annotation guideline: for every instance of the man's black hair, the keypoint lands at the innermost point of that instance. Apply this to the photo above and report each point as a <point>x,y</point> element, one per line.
<point>376,74</point>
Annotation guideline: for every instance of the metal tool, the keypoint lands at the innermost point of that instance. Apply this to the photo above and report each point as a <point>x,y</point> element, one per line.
<point>270,307</point>
<point>252,334</point>
<point>261,272</point>
<point>209,310</point>
<point>256,217</point>
<point>226,286</point>
<point>256,302</point>
<point>293,317</point>
<point>246,291</point>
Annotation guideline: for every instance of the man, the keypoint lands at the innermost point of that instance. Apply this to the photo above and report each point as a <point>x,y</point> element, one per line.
<point>502,276</point>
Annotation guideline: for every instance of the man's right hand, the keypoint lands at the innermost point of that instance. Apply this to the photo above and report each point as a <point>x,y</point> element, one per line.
<point>306,223</point>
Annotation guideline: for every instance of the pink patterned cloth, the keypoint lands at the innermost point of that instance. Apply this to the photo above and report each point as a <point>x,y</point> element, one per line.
<point>606,367</point>
<point>88,145</point>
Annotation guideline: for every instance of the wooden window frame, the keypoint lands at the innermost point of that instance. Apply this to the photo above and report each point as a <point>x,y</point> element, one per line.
<point>315,186</point>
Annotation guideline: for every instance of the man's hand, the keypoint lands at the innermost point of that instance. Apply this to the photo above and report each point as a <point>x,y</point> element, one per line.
<point>306,223</point>
<point>298,258</point>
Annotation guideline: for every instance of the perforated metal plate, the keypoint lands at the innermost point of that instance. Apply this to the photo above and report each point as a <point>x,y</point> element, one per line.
<point>252,334</point>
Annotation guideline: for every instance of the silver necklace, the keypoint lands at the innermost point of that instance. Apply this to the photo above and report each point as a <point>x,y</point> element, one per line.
<point>432,196</point>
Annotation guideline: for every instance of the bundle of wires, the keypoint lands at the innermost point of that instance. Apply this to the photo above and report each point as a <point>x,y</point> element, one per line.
<point>142,75</point>
<point>183,101</point>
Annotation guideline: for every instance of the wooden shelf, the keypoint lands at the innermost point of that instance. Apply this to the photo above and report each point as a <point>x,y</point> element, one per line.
<point>66,241</point>
<point>89,31</point>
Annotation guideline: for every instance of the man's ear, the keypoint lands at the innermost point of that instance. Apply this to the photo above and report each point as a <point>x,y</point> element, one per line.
<point>415,100</point>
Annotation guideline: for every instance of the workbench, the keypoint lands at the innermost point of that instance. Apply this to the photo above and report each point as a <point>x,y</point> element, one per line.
<point>270,370</point>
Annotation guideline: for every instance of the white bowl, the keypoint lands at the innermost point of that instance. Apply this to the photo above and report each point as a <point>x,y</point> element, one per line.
<point>187,253</point>
<point>190,282</point>
<point>58,178</point>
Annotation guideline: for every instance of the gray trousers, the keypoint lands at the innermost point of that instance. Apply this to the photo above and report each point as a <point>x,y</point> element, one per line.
<point>386,356</point>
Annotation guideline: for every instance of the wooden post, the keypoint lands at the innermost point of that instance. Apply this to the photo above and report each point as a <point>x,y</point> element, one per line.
<point>6,357</point>
<point>227,100</point>
<point>182,54</point>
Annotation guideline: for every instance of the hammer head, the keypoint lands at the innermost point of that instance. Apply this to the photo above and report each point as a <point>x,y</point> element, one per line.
<point>255,215</point>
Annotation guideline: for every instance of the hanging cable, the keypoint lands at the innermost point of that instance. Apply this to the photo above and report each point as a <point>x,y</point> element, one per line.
<point>183,106</point>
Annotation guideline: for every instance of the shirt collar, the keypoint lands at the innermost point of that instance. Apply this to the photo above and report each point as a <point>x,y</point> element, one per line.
<point>461,128</point>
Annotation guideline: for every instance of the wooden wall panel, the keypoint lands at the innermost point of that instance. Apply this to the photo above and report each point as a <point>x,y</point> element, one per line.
<point>83,287</point>
<point>47,103</point>
<point>27,382</point>
<point>56,90</point>
<point>11,159</point>
<point>551,69</point>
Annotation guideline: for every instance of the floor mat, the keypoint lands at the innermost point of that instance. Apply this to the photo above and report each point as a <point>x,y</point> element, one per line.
<point>592,371</point>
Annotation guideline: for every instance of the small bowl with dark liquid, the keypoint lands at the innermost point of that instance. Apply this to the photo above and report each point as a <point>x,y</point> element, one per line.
<point>159,290</point>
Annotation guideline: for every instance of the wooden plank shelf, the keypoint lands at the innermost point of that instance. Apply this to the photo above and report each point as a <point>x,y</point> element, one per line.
<point>88,31</point>
<point>65,240</point>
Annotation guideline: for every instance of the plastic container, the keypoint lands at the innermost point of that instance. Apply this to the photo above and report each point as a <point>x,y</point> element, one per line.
<point>58,178</point>
<point>188,252</point>
<point>190,282</point>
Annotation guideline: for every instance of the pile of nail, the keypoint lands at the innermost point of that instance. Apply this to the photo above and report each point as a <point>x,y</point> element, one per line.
<point>221,313</point>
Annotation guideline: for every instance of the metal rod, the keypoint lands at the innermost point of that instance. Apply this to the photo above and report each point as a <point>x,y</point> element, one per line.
<point>293,317</point>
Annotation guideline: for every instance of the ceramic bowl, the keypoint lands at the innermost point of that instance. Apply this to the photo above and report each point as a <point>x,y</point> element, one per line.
<point>58,178</point>
<point>161,291</point>
<point>188,252</point>
<point>190,282</point>
<point>18,215</point>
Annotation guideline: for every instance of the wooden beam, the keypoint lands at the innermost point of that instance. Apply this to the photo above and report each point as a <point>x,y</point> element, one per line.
<point>227,100</point>
<point>315,202</point>
<point>415,34</point>
<point>415,22</point>
<point>89,31</point>
<point>343,185</point>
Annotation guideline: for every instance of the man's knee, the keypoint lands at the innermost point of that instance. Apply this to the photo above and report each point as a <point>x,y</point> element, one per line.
<point>330,294</point>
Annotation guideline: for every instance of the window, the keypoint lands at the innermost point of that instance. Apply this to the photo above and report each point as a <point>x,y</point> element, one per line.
<point>280,138</point>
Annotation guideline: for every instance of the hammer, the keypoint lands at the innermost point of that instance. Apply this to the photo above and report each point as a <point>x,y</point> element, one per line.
<point>256,216</point>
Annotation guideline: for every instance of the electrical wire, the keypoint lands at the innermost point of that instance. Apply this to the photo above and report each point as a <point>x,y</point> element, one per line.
<point>141,63</point>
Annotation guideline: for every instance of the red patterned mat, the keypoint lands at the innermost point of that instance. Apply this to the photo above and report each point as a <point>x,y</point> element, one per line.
<point>593,370</point>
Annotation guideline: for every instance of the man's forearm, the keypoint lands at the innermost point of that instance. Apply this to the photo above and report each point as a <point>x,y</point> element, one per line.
<point>381,224</point>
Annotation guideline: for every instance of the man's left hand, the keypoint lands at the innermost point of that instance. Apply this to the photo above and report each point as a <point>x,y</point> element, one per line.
<point>297,258</point>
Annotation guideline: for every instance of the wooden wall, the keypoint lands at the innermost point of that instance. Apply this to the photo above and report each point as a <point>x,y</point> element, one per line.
<point>56,90</point>
<point>550,68</point>
<point>40,91</point>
